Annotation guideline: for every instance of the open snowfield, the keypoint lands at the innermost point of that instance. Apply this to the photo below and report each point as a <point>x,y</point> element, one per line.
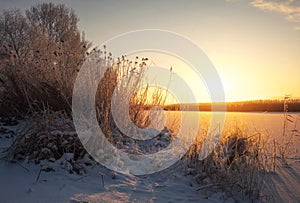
<point>25,182</point>
<point>20,185</point>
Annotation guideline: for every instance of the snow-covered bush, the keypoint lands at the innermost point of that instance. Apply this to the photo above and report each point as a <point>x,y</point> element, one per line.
<point>235,166</point>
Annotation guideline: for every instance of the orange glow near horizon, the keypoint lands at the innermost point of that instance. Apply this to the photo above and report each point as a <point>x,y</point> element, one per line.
<point>253,45</point>
<point>238,86</point>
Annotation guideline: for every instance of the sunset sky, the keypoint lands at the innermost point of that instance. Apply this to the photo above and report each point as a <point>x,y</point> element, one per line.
<point>254,44</point>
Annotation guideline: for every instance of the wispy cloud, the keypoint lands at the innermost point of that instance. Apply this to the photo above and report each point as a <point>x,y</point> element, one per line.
<point>289,8</point>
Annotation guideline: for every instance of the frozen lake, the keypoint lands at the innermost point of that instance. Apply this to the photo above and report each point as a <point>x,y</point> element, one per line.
<point>270,125</point>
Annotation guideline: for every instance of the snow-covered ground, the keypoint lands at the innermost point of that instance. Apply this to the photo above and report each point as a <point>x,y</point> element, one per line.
<point>284,185</point>
<point>30,185</point>
<point>21,185</point>
<point>25,182</point>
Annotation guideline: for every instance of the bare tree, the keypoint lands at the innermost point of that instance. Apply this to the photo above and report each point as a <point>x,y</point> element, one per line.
<point>40,55</point>
<point>15,43</point>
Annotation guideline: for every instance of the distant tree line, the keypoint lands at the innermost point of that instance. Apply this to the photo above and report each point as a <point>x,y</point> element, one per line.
<point>293,105</point>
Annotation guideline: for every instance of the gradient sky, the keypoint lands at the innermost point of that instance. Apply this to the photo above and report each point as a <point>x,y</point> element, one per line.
<point>254,44</point>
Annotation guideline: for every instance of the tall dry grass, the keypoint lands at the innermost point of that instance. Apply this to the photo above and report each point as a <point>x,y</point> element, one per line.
<point>290,134</point>
<point>242,161</point>
<point>238,164</point>
<point>33,139</point>
<point>126,79</point>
